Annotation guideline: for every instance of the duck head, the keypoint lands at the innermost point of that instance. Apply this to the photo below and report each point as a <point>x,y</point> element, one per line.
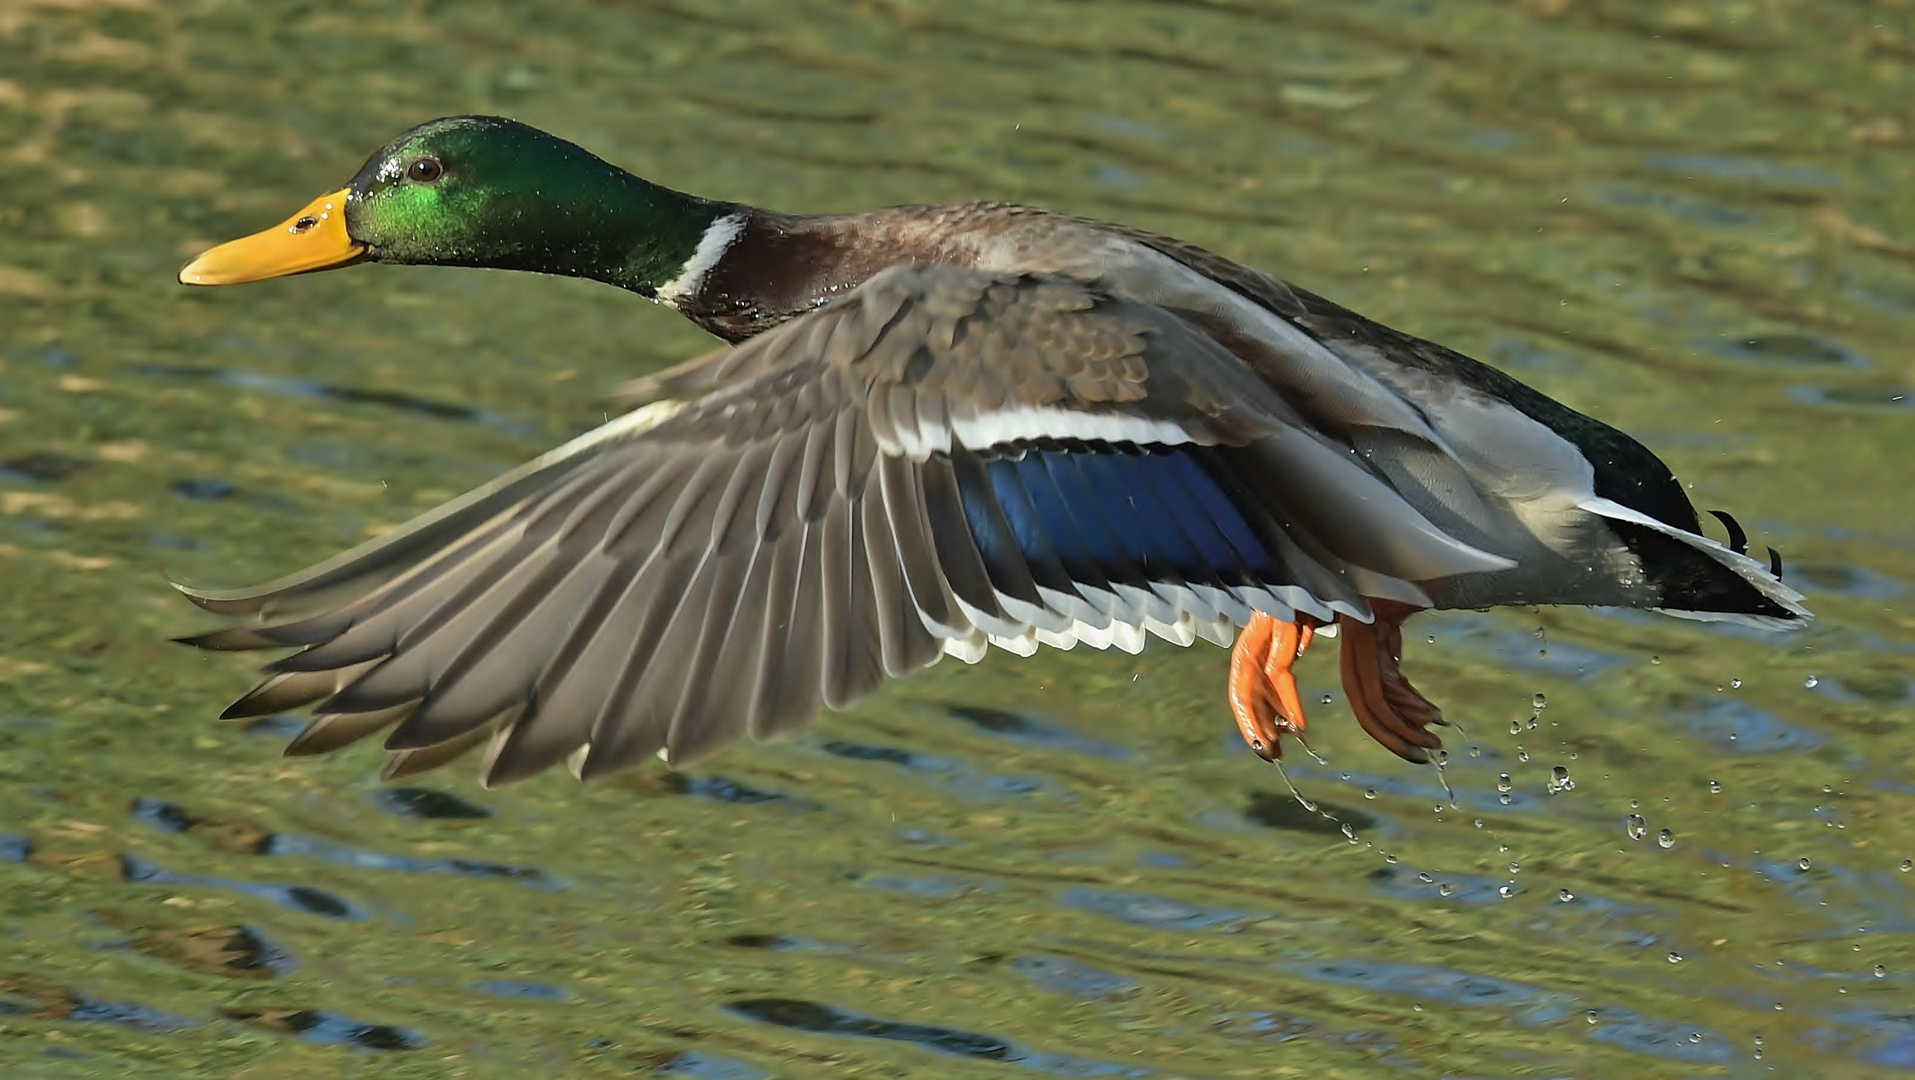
<point>479,191</point>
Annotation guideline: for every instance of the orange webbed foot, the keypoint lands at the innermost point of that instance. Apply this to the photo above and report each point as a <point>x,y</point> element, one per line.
<point>1263,690</point>
<point>1385,703</point>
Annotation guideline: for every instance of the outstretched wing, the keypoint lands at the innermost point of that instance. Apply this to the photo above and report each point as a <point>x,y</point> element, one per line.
<point>943,459</point>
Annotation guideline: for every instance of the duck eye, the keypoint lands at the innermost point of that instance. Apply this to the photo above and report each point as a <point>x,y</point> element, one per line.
<point>424,170</point>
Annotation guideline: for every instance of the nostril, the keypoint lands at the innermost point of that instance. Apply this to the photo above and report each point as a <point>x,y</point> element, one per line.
<point>305,223</point>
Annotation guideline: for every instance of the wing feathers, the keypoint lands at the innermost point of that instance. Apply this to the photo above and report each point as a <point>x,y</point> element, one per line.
<point>794,672</point>
<point>330,731</point>
<point>818,520</point>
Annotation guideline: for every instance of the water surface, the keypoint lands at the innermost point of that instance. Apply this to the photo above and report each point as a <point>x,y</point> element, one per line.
<point>1689,219</point>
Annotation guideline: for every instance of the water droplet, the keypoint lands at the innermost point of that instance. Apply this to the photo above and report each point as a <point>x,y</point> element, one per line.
<point>1442,758</point>
<point>1715,787</point>
<point>1675,958</point>
<point>1327,699</point>
<point>1503,782</point>
<point>1881,971</point>
<point>1907,865</point>
<point>1655,659</point>
<point>1476,751</point>
<point>1534,719</point>
<point>1391,859</point>
<point>1515,727</point>
<point>1477,822</point>
<point>1695,1036</point>
<point>1590,1016</point>
<point>1758,1053</point>
<point>1538,702</point>
<point>1811,682</point>
<point>1522,755</point>
<point>1638,827</point>
<point>1503,798</point>
<point>1802,863</point>
<point>1346,776</point>
<point>1635,804</point>
<point>1565,895</point>
<point>1735,684</point>
<point>1559,779</point>
<point>1424,878</point>
<point>1349,833</point>
<point>1369,793</point>
<point>1758,1040</point>
<point>1431,639</point>
<point>1665,839</point>
<point>1443,889</point>
<point>1505,891</point>
<point>1515,867</point>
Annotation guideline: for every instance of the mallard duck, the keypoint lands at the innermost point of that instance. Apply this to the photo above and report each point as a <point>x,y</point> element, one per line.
<point>934,429</point>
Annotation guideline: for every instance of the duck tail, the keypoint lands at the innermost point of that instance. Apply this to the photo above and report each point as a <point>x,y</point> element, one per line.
<point>1698,578</point>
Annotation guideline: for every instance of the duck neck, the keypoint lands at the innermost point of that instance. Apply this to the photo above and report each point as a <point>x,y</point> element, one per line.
<point>657,242</point>
<point>721,228</point>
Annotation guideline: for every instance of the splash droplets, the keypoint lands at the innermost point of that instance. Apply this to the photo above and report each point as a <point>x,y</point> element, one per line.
<point>1559,780</point>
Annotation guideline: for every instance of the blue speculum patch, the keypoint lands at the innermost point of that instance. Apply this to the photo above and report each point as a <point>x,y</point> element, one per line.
<point>1097,512</point>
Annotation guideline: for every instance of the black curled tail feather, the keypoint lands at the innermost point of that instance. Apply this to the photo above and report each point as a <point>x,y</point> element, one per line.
<point>1697,578</point>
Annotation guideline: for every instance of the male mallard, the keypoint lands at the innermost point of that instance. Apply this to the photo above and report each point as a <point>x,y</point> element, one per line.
<point>935,428</point>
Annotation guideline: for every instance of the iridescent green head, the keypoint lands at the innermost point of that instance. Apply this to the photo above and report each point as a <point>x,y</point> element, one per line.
<point>480,191</point>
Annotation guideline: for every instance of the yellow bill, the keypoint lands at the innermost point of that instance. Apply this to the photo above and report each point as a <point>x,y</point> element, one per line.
<point>313,239</point>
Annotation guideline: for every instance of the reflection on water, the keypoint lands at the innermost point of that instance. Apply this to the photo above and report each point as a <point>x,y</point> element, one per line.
<point>1689,219</point>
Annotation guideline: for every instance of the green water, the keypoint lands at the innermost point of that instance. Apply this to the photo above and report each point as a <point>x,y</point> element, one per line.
<point>1690,220</point>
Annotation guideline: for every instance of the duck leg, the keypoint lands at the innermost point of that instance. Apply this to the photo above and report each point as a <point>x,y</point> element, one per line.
<point>1385,703</point>
<point>1263,691</point>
